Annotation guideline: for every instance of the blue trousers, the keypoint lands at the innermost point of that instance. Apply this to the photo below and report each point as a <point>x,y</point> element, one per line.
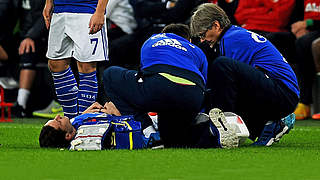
<point>242,89</point>
<point>176,104</point>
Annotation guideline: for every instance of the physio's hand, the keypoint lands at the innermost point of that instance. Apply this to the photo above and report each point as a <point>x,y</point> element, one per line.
<point>96,22</point>
<point>26,46</point>
<point>110,108</point>
<point>47,12</point>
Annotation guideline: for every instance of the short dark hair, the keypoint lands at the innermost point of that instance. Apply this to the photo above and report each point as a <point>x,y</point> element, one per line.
<point>178,29</point>
<point>53,138</point>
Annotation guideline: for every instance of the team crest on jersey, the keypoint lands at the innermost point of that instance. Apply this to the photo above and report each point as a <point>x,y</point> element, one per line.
<point>170,42</point>
<point>312,7</point>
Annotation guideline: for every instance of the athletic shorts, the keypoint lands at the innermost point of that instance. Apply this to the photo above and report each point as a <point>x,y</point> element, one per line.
<point>69,37</point>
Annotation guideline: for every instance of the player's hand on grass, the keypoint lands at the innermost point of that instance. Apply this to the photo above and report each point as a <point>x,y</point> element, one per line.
<point>47,12</point>
<point>96,22</point>
<point>26,46</point>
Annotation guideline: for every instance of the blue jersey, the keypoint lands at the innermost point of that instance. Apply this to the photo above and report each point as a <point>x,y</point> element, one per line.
<point>75,6</point>
<point>127,132</point>
<point>96,118</point>
<point>259,53</point>
<point>173,50</point>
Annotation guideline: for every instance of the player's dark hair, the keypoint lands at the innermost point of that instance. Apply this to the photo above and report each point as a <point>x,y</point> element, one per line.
<point>53,138</point>
<point>178,29</point>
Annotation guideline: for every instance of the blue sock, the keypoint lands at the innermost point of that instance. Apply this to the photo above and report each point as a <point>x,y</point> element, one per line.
<point>88,90</point>
<point>67,91</point>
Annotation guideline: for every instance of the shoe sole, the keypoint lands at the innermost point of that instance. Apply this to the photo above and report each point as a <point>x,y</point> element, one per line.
<point>272,140</point>
<point>228,138</point>
<point>278,136</point>
<point>284,131</point>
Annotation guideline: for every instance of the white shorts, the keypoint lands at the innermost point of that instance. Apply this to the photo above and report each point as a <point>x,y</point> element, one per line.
<point>69,37</point>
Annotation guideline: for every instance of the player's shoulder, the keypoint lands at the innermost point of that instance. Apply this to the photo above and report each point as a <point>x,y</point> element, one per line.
<point>237,35</point>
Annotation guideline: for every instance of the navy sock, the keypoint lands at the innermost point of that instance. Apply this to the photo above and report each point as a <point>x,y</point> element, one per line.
<point>88,90</point>
<point>67,91</point>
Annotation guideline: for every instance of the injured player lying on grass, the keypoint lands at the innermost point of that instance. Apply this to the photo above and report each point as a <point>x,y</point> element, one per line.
<point>103,127</point>
<point>99,127</point>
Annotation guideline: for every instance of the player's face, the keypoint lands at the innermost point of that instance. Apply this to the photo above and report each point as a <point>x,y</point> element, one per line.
<point>61,122</point>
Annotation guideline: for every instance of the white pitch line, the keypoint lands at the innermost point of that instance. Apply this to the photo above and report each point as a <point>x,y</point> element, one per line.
<point>309,129</point>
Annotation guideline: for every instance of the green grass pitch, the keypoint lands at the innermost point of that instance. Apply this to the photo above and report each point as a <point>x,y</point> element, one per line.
<point>295,157</point>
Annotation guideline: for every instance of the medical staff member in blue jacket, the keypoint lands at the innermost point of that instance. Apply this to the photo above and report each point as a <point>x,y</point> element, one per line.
<point>250,77</point>
<point>171,81</point>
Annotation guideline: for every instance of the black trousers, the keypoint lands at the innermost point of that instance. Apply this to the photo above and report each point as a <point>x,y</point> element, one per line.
<point>305,65</point>
<point>246,91</point>
<point>176,104</point>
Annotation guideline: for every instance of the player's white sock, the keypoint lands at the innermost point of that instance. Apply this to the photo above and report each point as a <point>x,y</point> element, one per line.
<point>23,95</point>
<point>148,131</point>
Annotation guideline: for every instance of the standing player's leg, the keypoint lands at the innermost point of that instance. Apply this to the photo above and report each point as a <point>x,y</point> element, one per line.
<point>65,85</point>
<point>89,49</point>
<point>88,84</point>
<point>28,62</point>
<point>60,51</point>
<point>26,79</point>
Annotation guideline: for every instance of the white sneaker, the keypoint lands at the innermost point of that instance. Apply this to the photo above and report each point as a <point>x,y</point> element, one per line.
<point>220,127</point>
<point>8,83</point>
<point>238,125</point>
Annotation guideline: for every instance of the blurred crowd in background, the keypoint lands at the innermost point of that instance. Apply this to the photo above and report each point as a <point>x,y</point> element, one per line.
<point>291,25</point>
